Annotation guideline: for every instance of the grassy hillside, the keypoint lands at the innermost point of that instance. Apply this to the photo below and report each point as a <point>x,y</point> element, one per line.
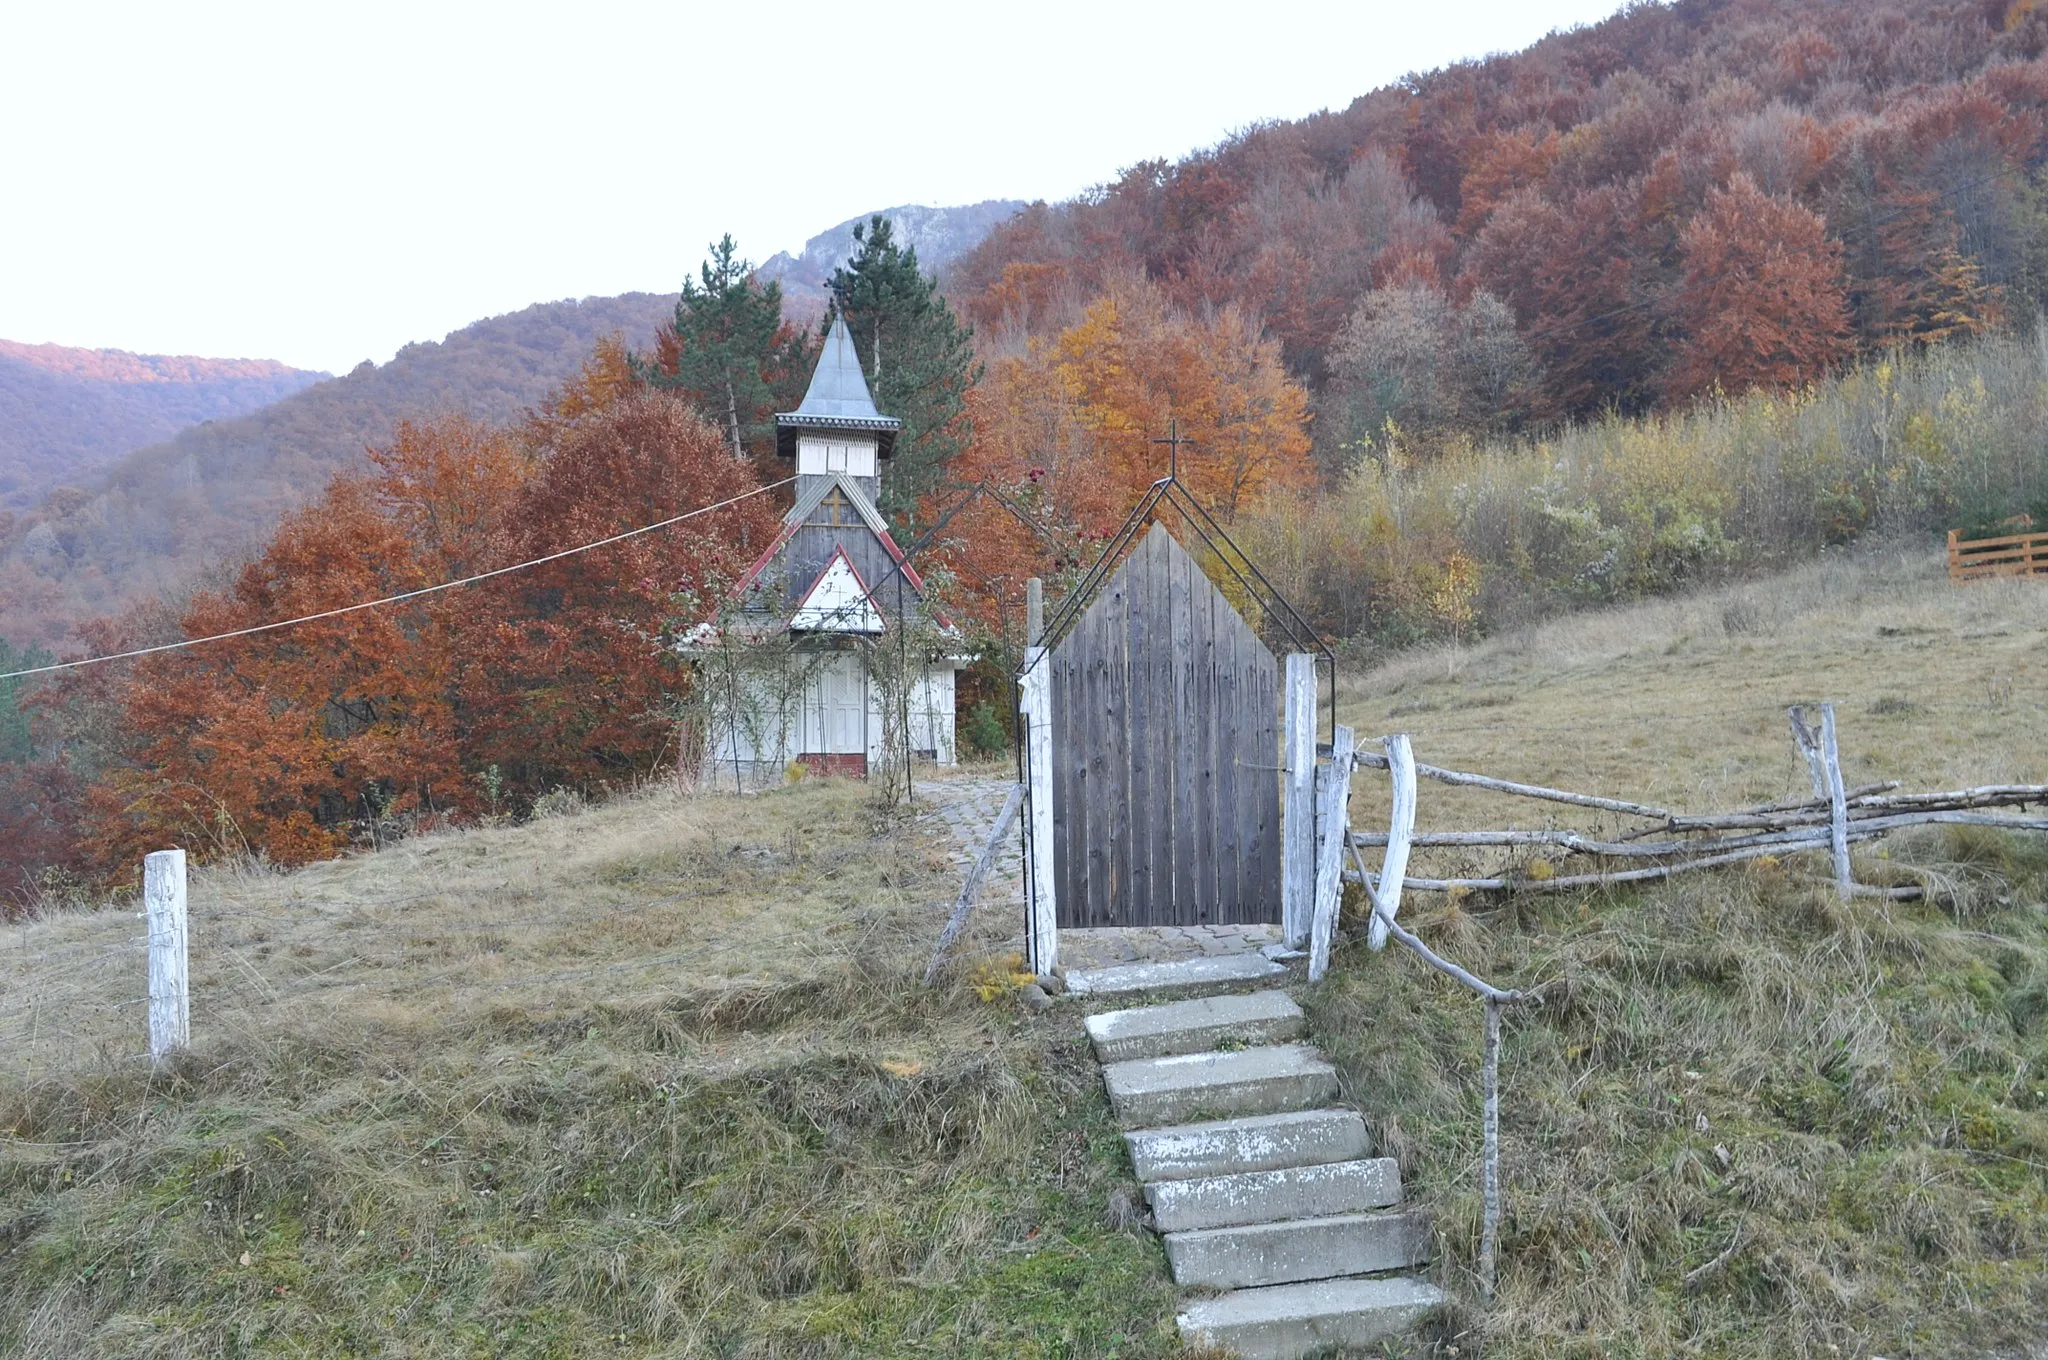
<point>650,1080</point>
<point>212,494</point>
<point>1854,1098</point>
<point>67,413</point>
<point>656,1078</point>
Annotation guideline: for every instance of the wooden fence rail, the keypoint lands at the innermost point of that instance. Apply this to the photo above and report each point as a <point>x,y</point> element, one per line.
<point>1971,559</point>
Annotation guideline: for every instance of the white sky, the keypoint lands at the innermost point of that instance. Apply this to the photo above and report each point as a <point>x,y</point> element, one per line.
<point>323,183</point>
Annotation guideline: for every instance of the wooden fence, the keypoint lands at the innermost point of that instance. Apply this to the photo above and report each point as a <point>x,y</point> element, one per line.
<point>1971,559</point>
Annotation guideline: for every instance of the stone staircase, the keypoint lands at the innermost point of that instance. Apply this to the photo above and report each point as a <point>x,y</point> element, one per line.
<point>1262,1187</point>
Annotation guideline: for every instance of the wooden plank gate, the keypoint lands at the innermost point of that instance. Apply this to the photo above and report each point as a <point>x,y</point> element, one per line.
<point>1166,762</point>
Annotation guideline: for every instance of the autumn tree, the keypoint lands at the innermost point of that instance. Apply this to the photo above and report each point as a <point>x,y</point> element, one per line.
<point>730,354</point>
<point>1412,356</point>
<point>1583,284</point>
<point>567,671</point>
<point>1762,302</point>
<point>918,358</point>
<point>14,730</point>
<point>286,742</point>
<point>1069,429</point>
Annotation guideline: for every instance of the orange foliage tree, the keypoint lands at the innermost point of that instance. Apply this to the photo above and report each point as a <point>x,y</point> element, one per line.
<point>570,672</point>
<point>1069,427</point>
<point>281,741</point>
<point>1763,301</point>
<point>292,742</point>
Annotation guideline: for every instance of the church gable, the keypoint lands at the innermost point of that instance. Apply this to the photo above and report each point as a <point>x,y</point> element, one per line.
<point>837,601</point>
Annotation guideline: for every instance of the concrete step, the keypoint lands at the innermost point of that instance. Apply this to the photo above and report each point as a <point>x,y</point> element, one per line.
<point>1257,1143</point>
<point>1195,1026</point>
<point>1271,1196</point>
<point>1285,1322</point>
<point>1208,971</point>
<point>1152,1091</point>
<point>1303,1249</point>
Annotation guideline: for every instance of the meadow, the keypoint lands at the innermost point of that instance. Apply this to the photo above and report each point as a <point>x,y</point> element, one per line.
<point>658,1078</point>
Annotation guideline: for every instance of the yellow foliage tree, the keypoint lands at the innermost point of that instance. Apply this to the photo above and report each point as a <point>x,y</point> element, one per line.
<point>1070,424</point>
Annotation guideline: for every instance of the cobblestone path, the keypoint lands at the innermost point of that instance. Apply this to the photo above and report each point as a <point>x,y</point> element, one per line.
<point>967,806</point>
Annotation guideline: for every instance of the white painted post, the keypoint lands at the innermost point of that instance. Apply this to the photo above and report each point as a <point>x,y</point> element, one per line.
<point>163,900</point>
<point>1400,833</point>
<point>1298,818</point>
<point>1041,911</point>
<point>1335,803</point>
<point>1838,800</point>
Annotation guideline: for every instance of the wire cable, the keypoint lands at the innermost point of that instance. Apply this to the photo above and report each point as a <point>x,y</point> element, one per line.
<point>402,595</point>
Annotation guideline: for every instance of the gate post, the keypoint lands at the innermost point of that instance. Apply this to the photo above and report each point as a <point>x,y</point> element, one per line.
<point>1034,706</point>
<point>1298,817</point>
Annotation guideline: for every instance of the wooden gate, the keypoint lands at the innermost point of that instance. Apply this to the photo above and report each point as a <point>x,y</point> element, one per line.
<point>1165,754</point>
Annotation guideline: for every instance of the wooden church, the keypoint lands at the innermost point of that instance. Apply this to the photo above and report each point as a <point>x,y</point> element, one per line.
<point>819,606</point>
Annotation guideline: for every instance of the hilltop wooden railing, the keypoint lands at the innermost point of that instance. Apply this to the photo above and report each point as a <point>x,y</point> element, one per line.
<point>1973,559</point>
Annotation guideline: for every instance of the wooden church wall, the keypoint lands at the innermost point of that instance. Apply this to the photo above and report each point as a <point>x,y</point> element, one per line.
<point>812,546</point>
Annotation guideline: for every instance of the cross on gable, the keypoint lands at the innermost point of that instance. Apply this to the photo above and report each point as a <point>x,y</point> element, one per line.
<point>836,509</point>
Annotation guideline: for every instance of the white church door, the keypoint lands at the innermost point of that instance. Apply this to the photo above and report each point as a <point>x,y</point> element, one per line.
<point>836,717</point>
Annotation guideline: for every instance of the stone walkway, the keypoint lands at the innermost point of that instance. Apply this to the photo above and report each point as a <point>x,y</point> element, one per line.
<point>967,805</point>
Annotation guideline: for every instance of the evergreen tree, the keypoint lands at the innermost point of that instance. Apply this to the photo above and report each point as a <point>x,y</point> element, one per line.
<point>730,354</point>
<point>918,358</point>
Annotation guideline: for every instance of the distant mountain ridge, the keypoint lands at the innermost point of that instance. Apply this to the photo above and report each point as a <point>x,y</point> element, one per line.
<point>162,511</point>
<point>67,413</point>
<point>940,236</point>
<point>155,520</point>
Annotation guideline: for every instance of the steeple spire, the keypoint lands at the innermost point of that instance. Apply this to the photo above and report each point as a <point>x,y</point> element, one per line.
<point>837,385</point>
<point>838,401</point>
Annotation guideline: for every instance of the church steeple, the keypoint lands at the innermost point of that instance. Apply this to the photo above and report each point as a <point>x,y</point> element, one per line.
<point>837,429</point>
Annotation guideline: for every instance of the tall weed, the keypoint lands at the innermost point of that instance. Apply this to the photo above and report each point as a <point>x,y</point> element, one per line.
<point>1911,444</point>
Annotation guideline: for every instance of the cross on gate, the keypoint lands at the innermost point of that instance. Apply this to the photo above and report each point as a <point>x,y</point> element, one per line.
<point>1174,439</point>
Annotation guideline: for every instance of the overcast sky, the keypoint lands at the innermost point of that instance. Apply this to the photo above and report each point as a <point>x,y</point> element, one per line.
<point>324,183</point>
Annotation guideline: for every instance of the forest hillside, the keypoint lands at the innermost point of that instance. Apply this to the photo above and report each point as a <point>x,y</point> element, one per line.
<point>1701,196</point>
<point>66,413</point>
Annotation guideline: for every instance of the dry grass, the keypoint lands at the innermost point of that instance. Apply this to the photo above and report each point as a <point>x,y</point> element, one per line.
<point>1682,702</point>
<point>656,1078</point>
<point>609,904</point>
<point>1849,1101</point>
<point>653,1079</point>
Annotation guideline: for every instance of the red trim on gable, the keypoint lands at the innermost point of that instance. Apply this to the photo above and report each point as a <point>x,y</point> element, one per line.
<point>788,531</point>
<point>775,545</point>
<point>867,594</point>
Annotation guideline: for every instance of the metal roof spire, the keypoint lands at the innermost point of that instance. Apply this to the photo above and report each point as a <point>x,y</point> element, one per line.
<point>837,385</point>
<point>838,398</point>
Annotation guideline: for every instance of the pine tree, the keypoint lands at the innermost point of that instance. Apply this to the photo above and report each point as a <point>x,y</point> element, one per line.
<point>918,358</point>
<point>730,354</point>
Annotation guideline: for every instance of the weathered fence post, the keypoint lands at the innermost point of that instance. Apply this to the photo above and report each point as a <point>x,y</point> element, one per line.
<point>1298,819</point>
<point>1489,1225</point>
<point>1034,709</point>
<point>1838,800</point>
<point>971,888</point>
<point>1809,746</point>
<point>163,902</point>
<point>1335,804</point>
<point>1400,834</point>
